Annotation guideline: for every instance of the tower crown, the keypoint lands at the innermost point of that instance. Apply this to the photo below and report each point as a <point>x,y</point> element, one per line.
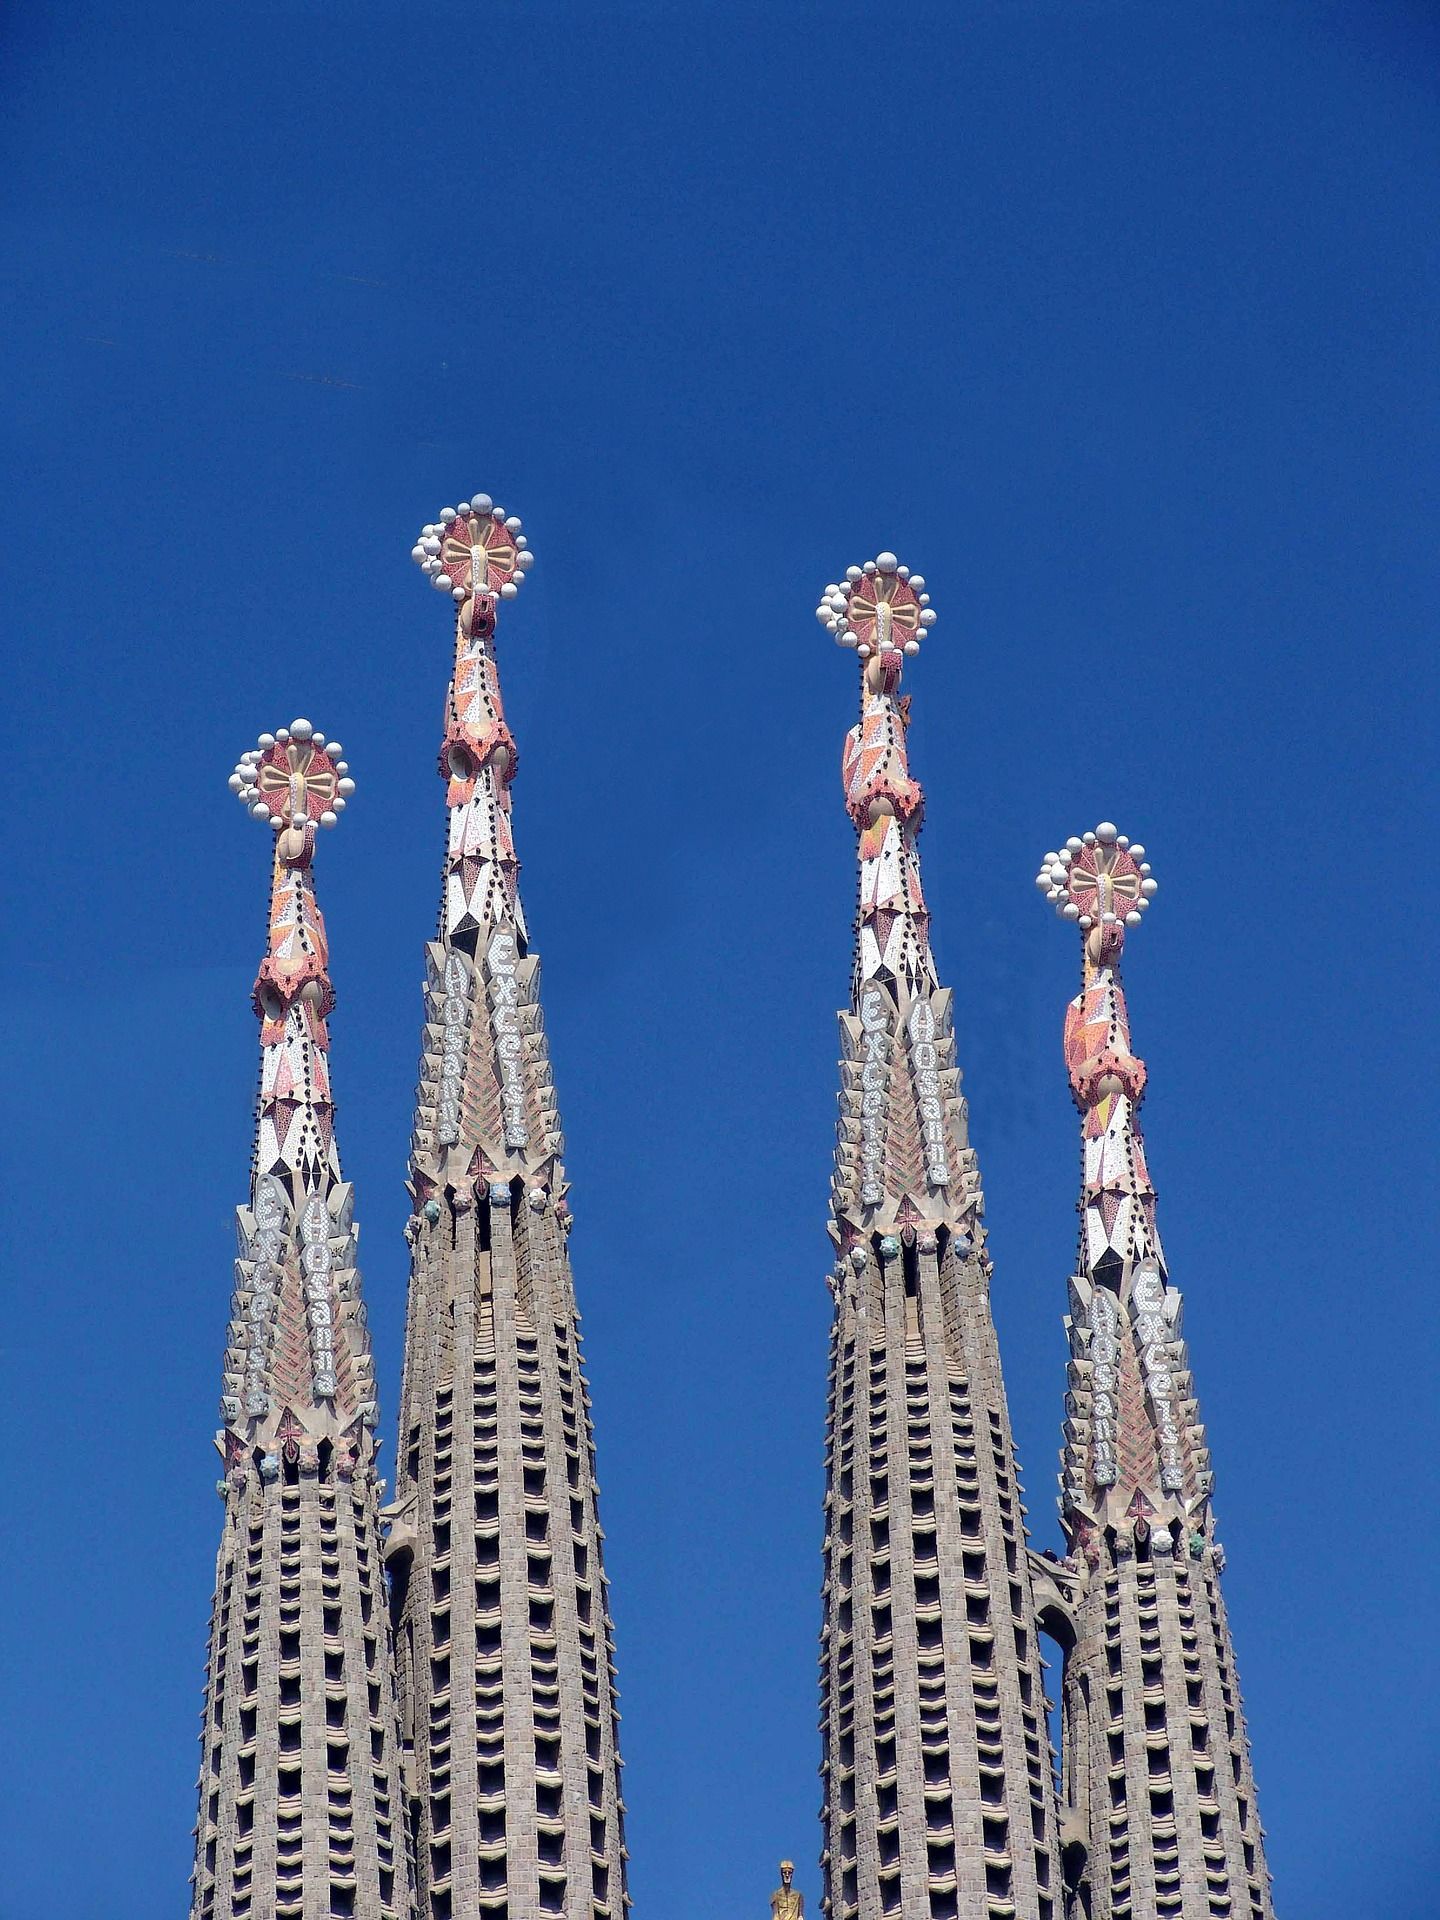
<point>490,1112</point>
<point>902,1155</point>
<point>299,1363</point>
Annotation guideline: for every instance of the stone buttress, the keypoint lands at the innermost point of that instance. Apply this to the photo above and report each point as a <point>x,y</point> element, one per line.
<point>939,1795</point>
<point>301,1815</point>
<point>504,1639</point>
<point>1161,1821</point>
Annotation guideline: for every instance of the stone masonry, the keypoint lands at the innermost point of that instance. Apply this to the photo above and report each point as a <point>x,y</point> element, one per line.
<point>504,1640</point>
<point>1160,1814</point>
<point>301,1815</point>
<point>939,1797</point>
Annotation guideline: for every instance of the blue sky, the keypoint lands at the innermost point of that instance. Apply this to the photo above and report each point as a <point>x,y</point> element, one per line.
<point>1115,320</point>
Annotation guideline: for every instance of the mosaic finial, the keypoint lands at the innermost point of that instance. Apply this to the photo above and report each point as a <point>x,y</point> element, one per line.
<point>880,609</point>
<point>476,553</point>
<point>1101,881</point>
<point>294,780</point>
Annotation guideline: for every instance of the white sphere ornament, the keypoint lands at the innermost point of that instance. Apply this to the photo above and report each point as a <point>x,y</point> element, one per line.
<point>1070,910</point>
<point>417,553</point>
<point>917,581</point>
<point>300,730</point>
<point>267,740</point>
<point>869,567</point>
<point>927,616</point>
<point>1042,881</point>
<point>854,573</point>
<point>509,590</point>
<point>524,561</point>
<point>447,514</point>
<point>886,562</point>
<point>235,783</point>
<point>1132,919</point>
<point>512,525</point>
<point>1137,852</point>
<point>440,580</point>
<point>481,502</point>
<point>1106,833</point>
<point>1149,888</point>
<point>347,787</point>
<point>328,818</point>
<point>259,811</point>
<point>430,544</point>
<point>912,646</point>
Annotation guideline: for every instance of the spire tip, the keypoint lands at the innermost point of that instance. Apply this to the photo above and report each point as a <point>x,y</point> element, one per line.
<point>474,548</point>
<point>293,780</point>
<point>1098,879</point>
<point>880,607</point>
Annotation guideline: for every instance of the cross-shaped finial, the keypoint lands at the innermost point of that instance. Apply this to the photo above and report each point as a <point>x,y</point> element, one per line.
<point>1098,879</point>
<point>474,548</point>
<point>878,609</point>
<point>294,780</point>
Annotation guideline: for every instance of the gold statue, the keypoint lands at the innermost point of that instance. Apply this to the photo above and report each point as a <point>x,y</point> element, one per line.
<point>787,1902</point>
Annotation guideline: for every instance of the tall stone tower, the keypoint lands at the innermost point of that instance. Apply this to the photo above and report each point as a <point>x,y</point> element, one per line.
<point>300,1796</point>
<point>938,1785</point>
<point>1157,1772</point>
<point>504,1639</point>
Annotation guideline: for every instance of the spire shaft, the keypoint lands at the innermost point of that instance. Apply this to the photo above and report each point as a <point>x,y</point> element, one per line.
<point>300,1807</point>
<point>1169,1826</point>
<point>506,1647</point>
<point>938,1795</point>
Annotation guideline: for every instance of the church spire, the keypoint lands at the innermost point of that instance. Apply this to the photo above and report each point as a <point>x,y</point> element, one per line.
<point>310,1370</point>
<point>1158,1779</point>
<point>505,1644</point>
<point>938,1796</point>
<point>903,1158</point>
<point>490,1111</point>
<point>300,1807</point>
